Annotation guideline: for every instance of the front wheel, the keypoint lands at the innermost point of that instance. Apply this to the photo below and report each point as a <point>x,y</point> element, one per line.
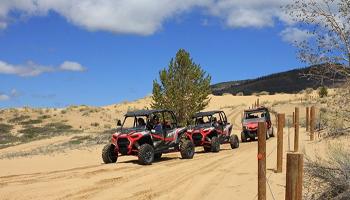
<point>187,149</point>
<point>234,142</point>
<point>215,144</point>
<point>108,154</point>
<point>158,155</point>
<point>207,149</point>
<point>243,137</point>
<point>146,154</point>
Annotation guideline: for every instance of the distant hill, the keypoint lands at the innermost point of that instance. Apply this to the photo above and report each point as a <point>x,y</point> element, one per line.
<point>286,82</point>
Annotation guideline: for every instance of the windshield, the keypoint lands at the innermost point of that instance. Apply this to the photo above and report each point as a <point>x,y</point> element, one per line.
<point>137,123</point>
<point>248,121</point>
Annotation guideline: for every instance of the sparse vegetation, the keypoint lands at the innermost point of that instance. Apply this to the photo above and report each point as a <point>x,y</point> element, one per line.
<point>74,143</point>
<point>18,119</point>
<point>31,121</point>
<point>5,128</point>
<point>306,91</point>
<point>264,102</point>
<point>264,93</point>
<point>239,94</point>
<point>130,109</point>
<point>107,126</point>
<point>228,107</point>
<point>44,117</point>
<point>328,177</point>
<point>95,124</point>
<point>275,103</point>
<point>256,94</point>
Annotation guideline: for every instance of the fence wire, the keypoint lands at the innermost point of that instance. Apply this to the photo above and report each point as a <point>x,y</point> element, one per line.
<point>262,167</point>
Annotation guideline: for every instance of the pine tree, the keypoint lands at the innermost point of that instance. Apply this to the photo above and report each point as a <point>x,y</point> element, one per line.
<point>322,91</point>
<point>184,87</point>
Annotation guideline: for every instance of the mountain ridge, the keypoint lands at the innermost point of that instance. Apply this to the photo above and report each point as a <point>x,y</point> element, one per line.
<point>291,81</point>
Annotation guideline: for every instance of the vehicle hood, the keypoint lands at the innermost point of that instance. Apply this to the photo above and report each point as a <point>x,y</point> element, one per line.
<point>200,129</point>
<point>251,126</point>
<point>128,132</point>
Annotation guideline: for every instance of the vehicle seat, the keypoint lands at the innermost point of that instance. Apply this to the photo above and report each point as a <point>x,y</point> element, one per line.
<point>167,125</point>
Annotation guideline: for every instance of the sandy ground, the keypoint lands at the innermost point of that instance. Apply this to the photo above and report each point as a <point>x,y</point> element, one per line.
<point>81,174</point>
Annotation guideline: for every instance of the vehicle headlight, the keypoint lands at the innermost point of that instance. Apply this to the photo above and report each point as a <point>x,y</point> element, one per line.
<point>245,128</point>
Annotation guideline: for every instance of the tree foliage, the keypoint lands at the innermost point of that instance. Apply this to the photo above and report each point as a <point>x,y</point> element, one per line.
<point>322,91</point>
<point>184,87</point>
<point>328,31</point>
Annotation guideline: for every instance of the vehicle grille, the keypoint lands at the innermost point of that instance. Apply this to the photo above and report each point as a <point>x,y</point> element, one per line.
<point>197,136</point>
<point>123,143</point>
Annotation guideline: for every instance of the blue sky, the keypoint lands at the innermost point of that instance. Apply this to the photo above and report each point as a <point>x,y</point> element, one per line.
<point>60,53</point>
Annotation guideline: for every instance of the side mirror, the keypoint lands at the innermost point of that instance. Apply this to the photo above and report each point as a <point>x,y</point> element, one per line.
<point>119,123</point>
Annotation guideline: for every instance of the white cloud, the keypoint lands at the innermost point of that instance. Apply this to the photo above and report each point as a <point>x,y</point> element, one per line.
<point>4,97</point>
<point>248,13</point>
<point>72,66</point>
<point>32,69</point>
<point>16,93</point>
<point>294,34</point>
<point>145,17</point>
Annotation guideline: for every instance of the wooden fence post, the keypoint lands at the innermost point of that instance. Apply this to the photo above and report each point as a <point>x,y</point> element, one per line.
<point>296,129</point>
<point>257,102</point>
<point>289,136</point>
<point>262,161</point>
<point>307,119</point>
<point>294,176</point>
<point>312,123</point>
<point>281,118</point>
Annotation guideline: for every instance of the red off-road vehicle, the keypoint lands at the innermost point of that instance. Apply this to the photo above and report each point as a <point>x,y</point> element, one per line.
<point>211,129</point>
<point>139,136</point>
<point>250,123</point>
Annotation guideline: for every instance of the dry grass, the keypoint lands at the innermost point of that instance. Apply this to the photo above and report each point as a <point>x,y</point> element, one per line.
<point>76,142</point>
<point>329,177</point>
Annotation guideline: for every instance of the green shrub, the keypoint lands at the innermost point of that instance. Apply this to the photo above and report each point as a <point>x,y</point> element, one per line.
<point>6,139</point>
<point>32,121</point>
<point>58,126</point>
<point>309,90</point>
<point>18,119</point>
<point>5,128</point>
<point>264,93</point>
<point>322,91</point>
<point>95,124</point>
<point>44,117</point>
<point>240,94</point>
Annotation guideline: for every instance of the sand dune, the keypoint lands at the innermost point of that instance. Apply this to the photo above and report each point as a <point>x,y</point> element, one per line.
<point>81,174</point>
